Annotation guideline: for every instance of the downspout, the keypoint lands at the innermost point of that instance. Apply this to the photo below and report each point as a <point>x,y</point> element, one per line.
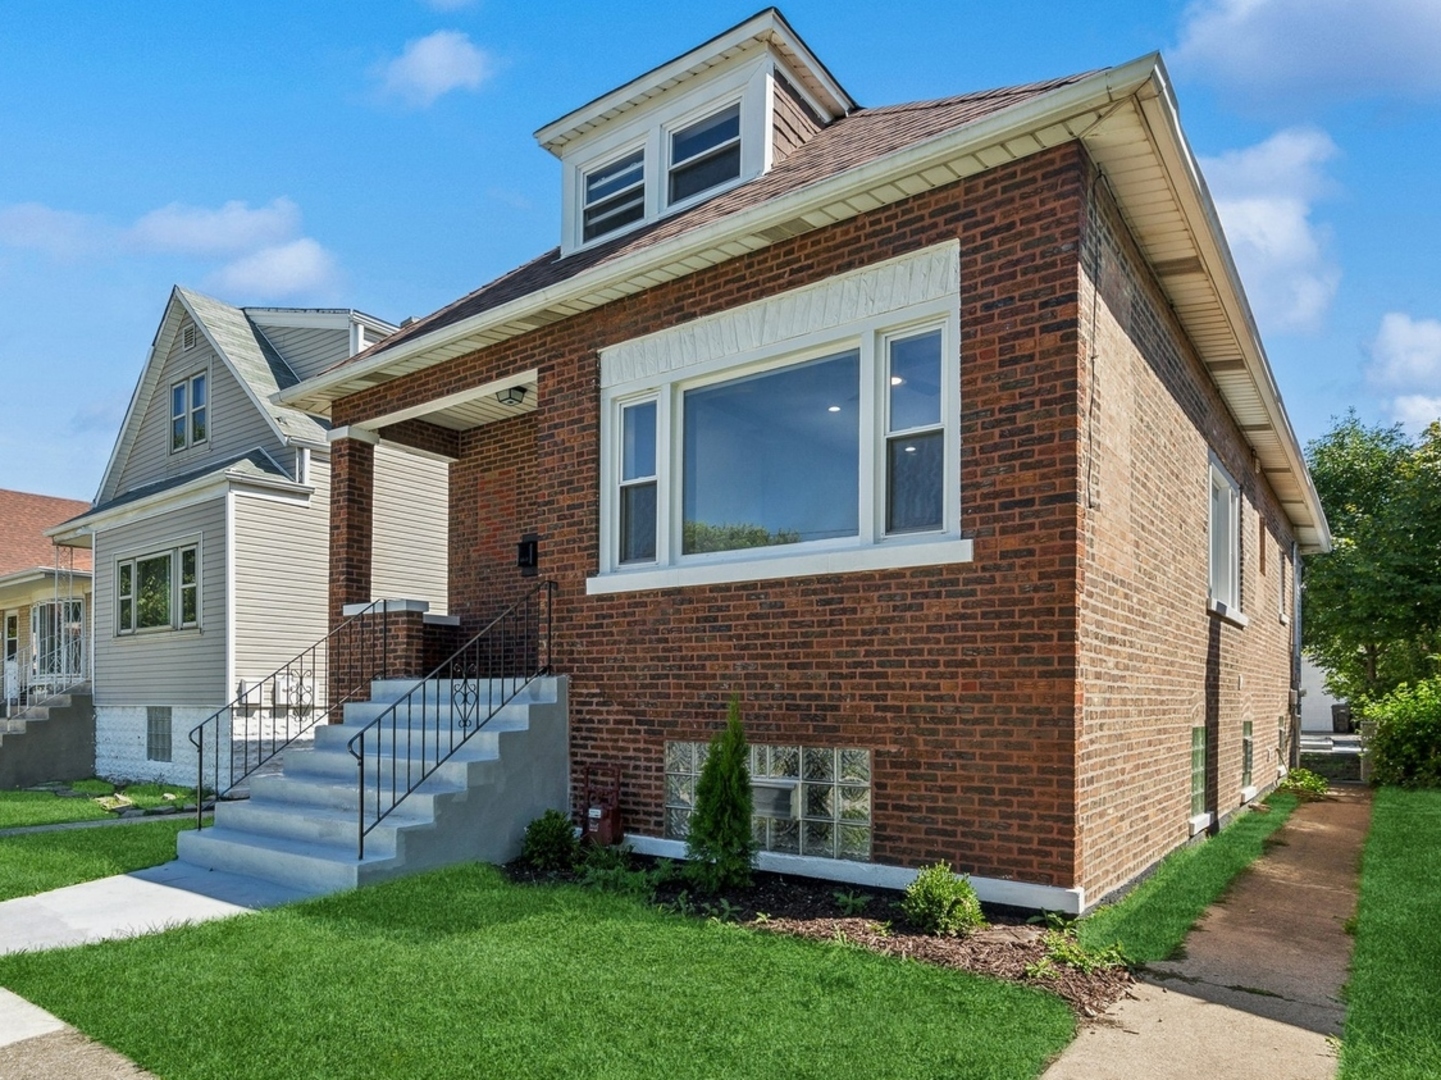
<point>1294,757</point>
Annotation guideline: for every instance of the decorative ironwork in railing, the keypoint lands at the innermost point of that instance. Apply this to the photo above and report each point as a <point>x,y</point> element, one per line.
<point>55,663</point>
<point>397,751</point>
<point>269,714</point>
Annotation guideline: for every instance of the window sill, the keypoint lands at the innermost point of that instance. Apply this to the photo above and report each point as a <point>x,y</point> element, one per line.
<point>1248,793</point>
<point>1231,615</point>
<point>159,631</point>
<point>889,556</point>
<point>1200,823</point>
<point>1285,620</point>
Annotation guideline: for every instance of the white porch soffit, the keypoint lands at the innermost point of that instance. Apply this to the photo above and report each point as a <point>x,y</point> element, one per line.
<point>470,408</point>
<point>1127,118</point>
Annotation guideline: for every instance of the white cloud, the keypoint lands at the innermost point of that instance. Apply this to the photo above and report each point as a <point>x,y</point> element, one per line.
<point>61,234</point>
<point>1265,195</point>
<point>234,227</point>
<point>1336,48</point>
<point>1406,361</point>
<point>298,268</point>
<point>433,66</point>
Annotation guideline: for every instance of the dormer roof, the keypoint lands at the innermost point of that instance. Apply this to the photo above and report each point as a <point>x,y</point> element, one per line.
<point>765,29</point>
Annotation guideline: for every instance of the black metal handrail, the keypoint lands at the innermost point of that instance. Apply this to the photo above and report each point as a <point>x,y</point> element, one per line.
<point>271,713</point>
<point>426,725</point>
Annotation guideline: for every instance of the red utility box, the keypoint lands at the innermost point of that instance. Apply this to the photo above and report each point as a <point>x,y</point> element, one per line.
<point>602,805</point>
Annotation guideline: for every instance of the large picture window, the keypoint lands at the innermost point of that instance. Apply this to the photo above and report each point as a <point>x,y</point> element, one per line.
<point>158,591</point>
<point>832,449</point>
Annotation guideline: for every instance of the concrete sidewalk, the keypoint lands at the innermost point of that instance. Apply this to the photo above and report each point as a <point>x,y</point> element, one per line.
<point>37,1046</point>
<point>1257,994</point>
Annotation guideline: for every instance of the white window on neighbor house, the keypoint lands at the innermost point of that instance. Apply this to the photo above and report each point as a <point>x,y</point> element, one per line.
<point>1225,542</point>
<point>158,591</point>
<point>189,412</point>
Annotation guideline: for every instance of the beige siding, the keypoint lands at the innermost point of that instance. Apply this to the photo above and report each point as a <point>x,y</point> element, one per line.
<point>795,122</point>
<point>308,350</point>
<point>409,556</point>
<point>281,583</point>
<point>236,425</point>
<point>163,667</point>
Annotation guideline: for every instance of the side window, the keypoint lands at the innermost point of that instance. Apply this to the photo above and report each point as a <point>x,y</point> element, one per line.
<point>637,500</point>
<point>1225,584</point>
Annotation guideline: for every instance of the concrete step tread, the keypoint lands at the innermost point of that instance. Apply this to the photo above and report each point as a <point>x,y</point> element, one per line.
<point>399,818</point>
<point>337,854</point>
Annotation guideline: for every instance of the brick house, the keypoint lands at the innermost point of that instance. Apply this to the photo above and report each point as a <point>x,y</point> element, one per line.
<point>941,433</point>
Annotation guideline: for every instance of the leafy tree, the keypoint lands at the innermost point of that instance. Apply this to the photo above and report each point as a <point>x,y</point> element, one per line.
<point>1373,604</point>
<point>720,842</point>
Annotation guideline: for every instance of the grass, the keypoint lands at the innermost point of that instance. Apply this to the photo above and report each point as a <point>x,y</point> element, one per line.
<point>1393,1015</point>
<point>1151,921</point>
<point>40,862</point>
<point>459,973</point>
<point>19,809</point>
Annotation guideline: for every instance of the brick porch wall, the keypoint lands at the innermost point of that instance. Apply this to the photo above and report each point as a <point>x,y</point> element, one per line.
<point>960,679</point>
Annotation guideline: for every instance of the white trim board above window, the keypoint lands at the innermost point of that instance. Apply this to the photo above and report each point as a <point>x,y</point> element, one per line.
<point>813,432</point>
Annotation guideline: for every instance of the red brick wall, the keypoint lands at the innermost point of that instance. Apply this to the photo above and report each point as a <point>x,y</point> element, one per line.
<point>960,679</point>
<point>1153,662</point>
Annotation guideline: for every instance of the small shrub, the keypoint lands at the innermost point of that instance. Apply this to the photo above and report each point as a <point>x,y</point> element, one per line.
<point>1063,948</point>
<point>1405,750</point>
<point>550,842</point>
<point>720,843</point>
<point>852,903</point>
<point>941,903</point>
<point>1305,783</point>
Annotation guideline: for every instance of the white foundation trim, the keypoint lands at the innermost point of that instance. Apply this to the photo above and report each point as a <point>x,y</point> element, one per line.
<point>990,890</point>
<point>387,606</point>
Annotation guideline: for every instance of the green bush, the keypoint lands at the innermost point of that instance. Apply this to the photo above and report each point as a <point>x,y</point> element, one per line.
<point>941,903</point>
<point>550,842</point>
<point>1406,747</point>
<point>720,844</point>
<point>1305,782</point>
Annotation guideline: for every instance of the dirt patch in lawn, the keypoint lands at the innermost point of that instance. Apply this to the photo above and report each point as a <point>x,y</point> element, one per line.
<point>1011,947</point>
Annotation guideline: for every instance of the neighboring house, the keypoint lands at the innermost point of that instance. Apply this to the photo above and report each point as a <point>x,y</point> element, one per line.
<point>210,528</point>
<point>941,433</point>
<point>1316,704</point>
<point>44,601</point>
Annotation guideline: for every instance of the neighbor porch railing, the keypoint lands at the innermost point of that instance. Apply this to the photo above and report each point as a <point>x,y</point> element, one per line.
<point>55,664</point>
<point>269,714</point>
<point>442,712</point>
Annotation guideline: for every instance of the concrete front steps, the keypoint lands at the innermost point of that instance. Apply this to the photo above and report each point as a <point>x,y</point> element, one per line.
<point>53,741</point>
<point>299,827</point>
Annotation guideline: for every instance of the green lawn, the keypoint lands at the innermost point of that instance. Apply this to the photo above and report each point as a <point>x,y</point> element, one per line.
<point>39,862</point>
<point>1151,921</point>
<point>23,808</point>
<point>1393,1014</point>
<point>458,973</point>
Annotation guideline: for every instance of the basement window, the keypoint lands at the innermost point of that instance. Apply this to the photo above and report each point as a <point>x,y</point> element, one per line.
<point>158,733</point>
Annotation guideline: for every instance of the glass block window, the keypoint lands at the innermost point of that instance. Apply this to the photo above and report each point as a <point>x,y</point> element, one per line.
<point>1248,751</point>
<point>808,800</point>
<point>1198,771</point>
<point>157,733</point>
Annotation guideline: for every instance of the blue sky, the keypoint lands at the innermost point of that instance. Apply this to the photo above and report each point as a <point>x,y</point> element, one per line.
<point>380,156</point>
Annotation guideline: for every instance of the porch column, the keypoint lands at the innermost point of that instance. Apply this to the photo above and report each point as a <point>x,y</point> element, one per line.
<point>352,507</point>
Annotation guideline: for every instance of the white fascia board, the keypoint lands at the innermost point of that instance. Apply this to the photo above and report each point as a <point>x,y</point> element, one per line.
<point>766,28</point>
<point>202,489</point>
<point>316,318</point>
<point>1097,90</point>
<point>26,577</point>
<point>1163,121</point>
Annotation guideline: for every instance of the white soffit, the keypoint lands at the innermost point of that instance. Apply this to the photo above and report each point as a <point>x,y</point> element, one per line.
<point>1127,119</point>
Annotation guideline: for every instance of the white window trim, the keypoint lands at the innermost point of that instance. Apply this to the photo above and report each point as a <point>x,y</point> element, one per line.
<point>1227,607</point>
<point>174,550</point>
<point>749,84</point>
<point>872,549</point>
<point>188,384</point>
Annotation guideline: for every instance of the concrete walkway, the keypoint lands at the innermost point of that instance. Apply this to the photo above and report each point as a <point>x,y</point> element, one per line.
<point>1257,995</point>
<point>35,1045</point>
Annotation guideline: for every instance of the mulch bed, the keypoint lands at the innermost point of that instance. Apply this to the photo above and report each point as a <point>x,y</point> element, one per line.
<point>804,907</point>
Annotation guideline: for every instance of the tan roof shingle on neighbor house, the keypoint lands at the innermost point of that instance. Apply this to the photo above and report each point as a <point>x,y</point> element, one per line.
<point>23,520</point>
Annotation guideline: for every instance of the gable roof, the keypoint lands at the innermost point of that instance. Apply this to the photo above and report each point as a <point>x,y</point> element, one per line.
<point>242,348</point>
<point>23,520</point>
<point>1127,119</point>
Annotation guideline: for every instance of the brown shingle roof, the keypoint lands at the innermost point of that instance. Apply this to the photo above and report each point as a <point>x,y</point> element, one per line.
<point>23,521</point>
<point>851,141</point>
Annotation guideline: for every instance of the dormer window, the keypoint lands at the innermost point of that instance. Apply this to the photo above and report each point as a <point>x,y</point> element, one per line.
<point>615,195</point>
<point>705,154</point>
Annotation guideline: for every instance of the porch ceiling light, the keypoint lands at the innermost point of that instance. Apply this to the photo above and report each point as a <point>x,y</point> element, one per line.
<point>511,395</point>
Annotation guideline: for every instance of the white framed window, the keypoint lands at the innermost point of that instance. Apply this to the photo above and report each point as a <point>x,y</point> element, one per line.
<point>158,591</point>
<point>189,412</point>
<point>840,450</point>
<point>1225,542</point>
<point>704,154</point>
<point>613,195</point>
